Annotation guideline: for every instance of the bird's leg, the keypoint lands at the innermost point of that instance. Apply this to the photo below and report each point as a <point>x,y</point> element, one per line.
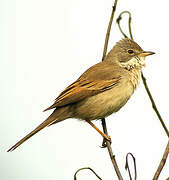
<point>100,132</point>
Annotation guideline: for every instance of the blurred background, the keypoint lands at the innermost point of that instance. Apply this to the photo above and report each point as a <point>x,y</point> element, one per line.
<point>45,46</point>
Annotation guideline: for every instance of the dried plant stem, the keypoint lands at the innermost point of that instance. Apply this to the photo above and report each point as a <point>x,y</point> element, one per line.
<point>127,166</point>
<point>112,157</point>
<point>129,23</point>
<point>90,170</point>
<point>162,162</point>
<point>108,30</point>
<point>154,105</point>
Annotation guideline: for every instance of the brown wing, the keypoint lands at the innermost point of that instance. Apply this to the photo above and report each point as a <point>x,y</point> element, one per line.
<point>81,89</point>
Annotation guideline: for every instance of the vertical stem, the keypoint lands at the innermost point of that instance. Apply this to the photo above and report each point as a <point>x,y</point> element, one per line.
<point>108,30</point>
<point>112,157</point>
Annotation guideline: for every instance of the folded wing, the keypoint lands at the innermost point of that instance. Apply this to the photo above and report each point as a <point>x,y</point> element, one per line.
<point>81,89</point>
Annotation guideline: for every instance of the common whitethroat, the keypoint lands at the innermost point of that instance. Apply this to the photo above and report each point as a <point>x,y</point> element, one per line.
<point>101,90</point>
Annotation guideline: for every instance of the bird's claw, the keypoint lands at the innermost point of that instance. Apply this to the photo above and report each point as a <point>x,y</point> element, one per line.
<point>104,143</point>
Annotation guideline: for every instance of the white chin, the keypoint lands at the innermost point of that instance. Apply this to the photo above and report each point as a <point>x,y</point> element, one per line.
<point>134,62</point>
<point>142,61</point>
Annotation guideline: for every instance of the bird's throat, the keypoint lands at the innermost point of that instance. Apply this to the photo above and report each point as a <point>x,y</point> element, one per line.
<point>135,62</point>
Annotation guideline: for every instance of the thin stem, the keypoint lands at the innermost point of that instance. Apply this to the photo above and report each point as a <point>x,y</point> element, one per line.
<point>127,166</point>
<point>143,78</point>
<point>162,162</point>
<point>154,105</point>
<point>129,23</point>
<point>108,30</point>
<point>112,157</point>
<point>75,178</point>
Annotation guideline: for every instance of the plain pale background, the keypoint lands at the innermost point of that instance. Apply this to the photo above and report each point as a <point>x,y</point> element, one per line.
<point>45,46</point>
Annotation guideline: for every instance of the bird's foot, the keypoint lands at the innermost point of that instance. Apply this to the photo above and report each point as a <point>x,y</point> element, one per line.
<point>104,143</point>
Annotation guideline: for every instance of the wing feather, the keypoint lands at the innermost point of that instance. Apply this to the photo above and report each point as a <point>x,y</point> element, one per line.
<point>81,89</point>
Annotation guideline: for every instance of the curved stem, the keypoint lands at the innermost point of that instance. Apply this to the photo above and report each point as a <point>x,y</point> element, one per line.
<point>129,23</point>
<point>162,162</point>
<point>127,166</point>
<point>90,170</point>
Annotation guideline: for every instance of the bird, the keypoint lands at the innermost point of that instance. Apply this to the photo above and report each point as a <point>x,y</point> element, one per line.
<point>101,90</point>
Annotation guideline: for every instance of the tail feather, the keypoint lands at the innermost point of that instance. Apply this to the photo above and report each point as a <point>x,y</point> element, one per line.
<point>54,117</point>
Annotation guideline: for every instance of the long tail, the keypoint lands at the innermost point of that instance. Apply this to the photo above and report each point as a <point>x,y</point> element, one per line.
<point>57,116</point>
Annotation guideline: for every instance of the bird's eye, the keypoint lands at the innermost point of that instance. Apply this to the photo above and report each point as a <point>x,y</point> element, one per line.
<point>130,51</point>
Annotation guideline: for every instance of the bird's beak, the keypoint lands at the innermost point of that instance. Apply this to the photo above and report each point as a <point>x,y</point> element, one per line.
<point>146,53</point>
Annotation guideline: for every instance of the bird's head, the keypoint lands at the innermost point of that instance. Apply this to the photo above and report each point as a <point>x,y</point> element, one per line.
<point>128,54</point>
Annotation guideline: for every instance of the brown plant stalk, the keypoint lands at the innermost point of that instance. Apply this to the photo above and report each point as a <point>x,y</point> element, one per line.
<point>162,162</point>
<point>108,145</point>
<point>75,178</point>
<point>127,166</point>
<point>112,156</point>
<point>109,29</point>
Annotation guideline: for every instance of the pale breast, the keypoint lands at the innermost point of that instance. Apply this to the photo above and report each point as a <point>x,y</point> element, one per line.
<point>105,103</point>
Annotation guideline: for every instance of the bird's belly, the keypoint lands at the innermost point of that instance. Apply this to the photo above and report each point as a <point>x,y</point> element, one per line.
<point>103,104</point>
